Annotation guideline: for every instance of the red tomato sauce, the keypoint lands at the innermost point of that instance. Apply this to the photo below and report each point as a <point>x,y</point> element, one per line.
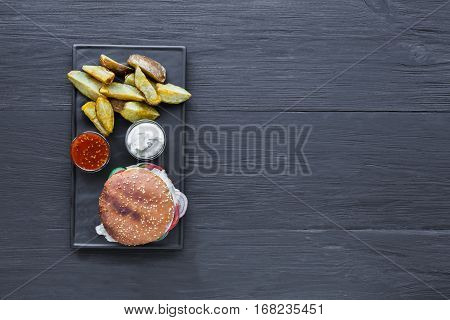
<point>89,151</point>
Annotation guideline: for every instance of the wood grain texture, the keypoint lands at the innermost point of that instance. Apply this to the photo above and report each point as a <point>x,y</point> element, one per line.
<point>384,175</point>
<point>369,171</point>
<point>254,55</point>
<point>221,264</point>
<point>235,247</point>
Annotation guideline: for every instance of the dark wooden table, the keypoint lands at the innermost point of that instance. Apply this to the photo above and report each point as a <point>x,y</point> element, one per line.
<point>372,221</point>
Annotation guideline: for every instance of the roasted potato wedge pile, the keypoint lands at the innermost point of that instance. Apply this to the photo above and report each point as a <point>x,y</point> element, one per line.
<point>129,79</point>
<point>172,94</point>
<point>122,91</point>
<point>114,66</point>
<point>134,99</point>
<point>105,113</point>
<point>117,105</point>
<point>89,110</point>
<point>146,87</point>
<point>100,73</point>
<point>150,67</point>
<point>87,85</point>
<point>134,111</point>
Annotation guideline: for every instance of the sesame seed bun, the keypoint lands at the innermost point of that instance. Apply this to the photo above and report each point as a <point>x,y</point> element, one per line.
<point>136,207</point>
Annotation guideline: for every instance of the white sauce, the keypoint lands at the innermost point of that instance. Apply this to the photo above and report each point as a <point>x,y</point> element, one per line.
<point>146,140</point>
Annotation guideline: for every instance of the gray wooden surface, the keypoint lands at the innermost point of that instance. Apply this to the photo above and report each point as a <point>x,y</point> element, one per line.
<point>379,150</point>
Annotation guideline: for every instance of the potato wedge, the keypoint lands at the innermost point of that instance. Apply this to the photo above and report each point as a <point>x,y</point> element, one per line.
<point>89,110</point>
<point>122,92</point>
<point>117,105</point>
<point>146,87</point>
<point>129,79</point>
<point>100,73</point>
<point>105,113</point>
<point>135,111</point>
<point>114,66</point>
<point>149,66</point>
<point>87,85</point>
<point>172,94</point>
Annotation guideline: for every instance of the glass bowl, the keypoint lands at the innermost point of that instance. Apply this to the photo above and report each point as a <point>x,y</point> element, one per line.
<point>140,122</point>
<point>78,165</point>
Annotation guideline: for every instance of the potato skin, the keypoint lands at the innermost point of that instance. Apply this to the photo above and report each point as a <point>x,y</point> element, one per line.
<point>146,87</point>
<point>114,66</point>
<point>100,73</point>
<point>172,94</point>
<point>122,91</point>
<point>149,66</point>
<point>87,85</point>
<point>135,111</point>
<point>105,113</point>
<point>116,104</point>
<point>89,110</point>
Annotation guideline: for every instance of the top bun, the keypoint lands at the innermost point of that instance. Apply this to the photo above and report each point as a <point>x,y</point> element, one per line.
<point>136,207</point>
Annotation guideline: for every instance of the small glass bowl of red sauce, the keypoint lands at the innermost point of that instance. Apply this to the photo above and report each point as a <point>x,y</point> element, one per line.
<point>90,151</point>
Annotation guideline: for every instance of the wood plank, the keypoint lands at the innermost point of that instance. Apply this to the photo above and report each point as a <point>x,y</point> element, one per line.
<point>239,248</point>
<point>245,264</point>
<point>35,177</point>
<point>369,171</point>
<point>260,55</point>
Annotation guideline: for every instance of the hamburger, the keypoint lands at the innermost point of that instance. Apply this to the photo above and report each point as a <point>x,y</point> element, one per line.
<point>139,205</point>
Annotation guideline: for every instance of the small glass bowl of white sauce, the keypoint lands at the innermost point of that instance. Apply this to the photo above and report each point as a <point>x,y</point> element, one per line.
<point>145,140</point>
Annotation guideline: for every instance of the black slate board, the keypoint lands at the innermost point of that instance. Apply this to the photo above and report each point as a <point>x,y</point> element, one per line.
<point>86,187</point>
